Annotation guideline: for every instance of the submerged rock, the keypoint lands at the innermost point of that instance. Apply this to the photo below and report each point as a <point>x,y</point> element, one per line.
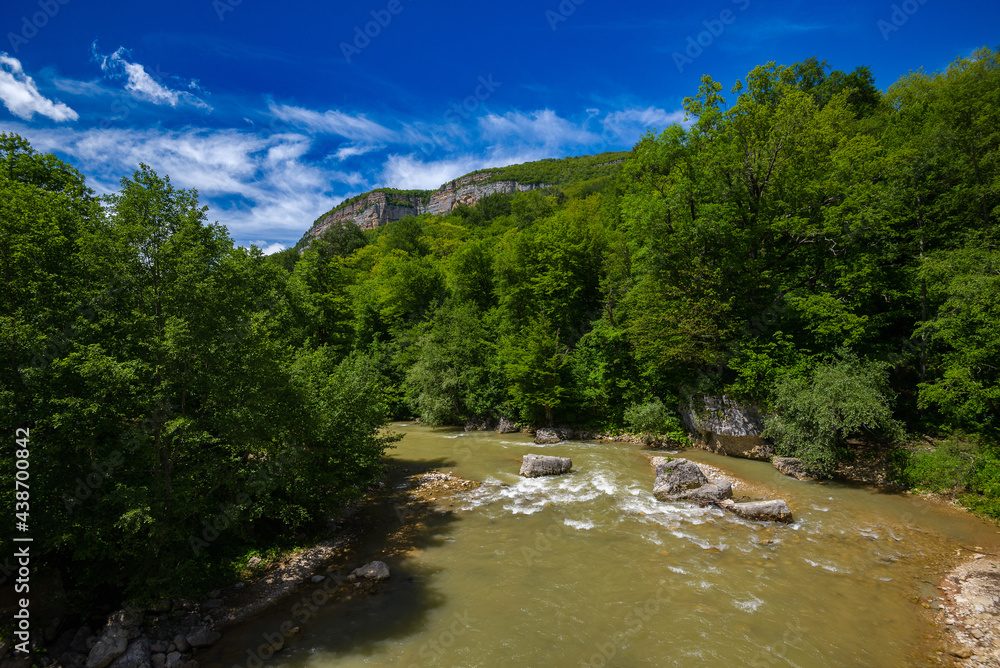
<point>761,511</point>
<point>203,637</point>
<point>533,466</point>
<point>376,570</point>
<point>791,466</point>
<point>681,480</point>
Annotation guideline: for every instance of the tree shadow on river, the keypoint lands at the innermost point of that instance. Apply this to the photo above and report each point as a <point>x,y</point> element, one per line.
<point>336,617</point>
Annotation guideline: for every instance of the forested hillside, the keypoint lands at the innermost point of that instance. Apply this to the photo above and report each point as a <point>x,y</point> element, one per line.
<point>816,246</point>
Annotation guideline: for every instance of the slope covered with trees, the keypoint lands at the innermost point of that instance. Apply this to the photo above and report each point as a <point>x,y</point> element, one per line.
<point>818,247</point>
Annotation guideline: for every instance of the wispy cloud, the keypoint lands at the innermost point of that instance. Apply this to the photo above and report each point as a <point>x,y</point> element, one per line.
<point>21,96</point>
<point>261,188</point>
<point>543,127</point>
<point>335,122</point>
<point>142,84</point>
<point>629,124</point>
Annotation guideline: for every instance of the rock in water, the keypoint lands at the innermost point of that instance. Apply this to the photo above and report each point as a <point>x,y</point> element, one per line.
<point>761,511</point>
<point>546,435</point>
<point>203,637</point>
<point>533,466</point>
<point>681,480</point>
<point>376,570</point>
<point>791,466</point>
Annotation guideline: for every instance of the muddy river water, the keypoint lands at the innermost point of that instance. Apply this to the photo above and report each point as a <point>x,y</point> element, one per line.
<point>588,569</point>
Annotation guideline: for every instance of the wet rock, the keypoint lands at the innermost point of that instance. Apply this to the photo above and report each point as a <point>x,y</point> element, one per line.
<point>547,435</point>
<point>375,571</point>
<point>159,660</point>
<point>109,647</point>
<point>533,466</point>
<point>174,658</point>
<point>203,637</point>
<point>136,656</point>
<point>761,511</point>
<point>791,466</point>
<point>180,644</point>
<point>317,578</point>
<point>479,424</point>
<point>959,651</point>
<point>507,426</point>
<point>159,647</point>
<point>681,480</point>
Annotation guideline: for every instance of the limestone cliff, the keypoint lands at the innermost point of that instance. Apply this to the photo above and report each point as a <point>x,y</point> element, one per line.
<point>379,208</point>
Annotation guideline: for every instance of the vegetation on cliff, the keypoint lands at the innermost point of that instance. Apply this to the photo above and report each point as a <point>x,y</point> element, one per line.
<point>818,247</point>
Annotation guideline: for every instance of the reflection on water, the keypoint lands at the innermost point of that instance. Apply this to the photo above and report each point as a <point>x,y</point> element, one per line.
<point>589,569</point>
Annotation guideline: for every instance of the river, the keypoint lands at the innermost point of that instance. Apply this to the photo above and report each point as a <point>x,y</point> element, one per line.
<point>588,569</point>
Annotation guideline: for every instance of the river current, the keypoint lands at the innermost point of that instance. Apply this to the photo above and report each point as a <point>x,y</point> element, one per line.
<point>589,569</point>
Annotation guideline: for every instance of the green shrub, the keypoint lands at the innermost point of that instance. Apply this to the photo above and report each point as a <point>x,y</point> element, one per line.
<point>656,422</point>
<point>816,413</point>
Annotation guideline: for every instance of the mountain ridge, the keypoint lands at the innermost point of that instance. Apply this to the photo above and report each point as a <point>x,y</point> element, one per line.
<point>381,206</point>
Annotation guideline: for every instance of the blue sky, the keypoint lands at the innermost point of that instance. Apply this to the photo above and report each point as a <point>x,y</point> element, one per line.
<point>276,112</point>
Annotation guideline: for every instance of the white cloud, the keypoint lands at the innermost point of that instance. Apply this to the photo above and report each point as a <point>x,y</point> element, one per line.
<point>21,97</point>
<point>357,128</point>
<point>629,125</point>
<point>346,151</point>
<point>544,126</point>
<point>142,84</point>
<point>409,172</point>
<point>261,188</point>
<point>268,248</point>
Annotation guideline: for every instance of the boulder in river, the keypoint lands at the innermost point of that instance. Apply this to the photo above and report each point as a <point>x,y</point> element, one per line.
<point>791,466</point>
<point>376,570</point>
<point>112,644</point>
<point>203,637</point>
<point>681,480</point>
<point>761,511</point>
<point>533,466</point>
<point>547,435</point>
<point>507,426</point>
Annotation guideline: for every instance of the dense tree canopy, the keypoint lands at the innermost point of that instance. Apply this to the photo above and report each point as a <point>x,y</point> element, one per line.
<point>816,246</point>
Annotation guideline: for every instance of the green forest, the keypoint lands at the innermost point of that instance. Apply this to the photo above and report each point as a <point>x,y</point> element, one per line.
<point>810,243</point>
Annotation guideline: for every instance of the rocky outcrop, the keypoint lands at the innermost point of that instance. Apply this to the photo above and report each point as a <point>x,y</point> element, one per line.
<point>547,435</point>
<point>792,466</point>
<point>479,424</point>
<point>507,426</point>
<point>468,190</point>
<point>723,426</point>
<point>111,645</point>
<point>533,466</point>
<point>376,571</point>
<point>380,208</point>
<point>760,511</point>
<point>681,480</point>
